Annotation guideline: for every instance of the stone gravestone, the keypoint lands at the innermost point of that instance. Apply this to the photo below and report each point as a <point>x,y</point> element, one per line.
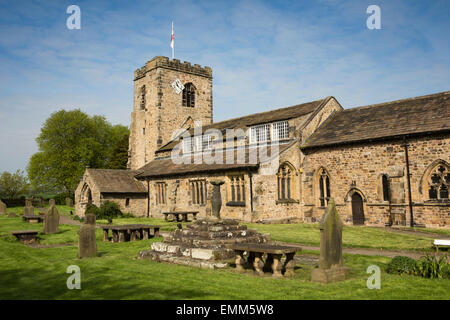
<point>51,221</point>
<point>28,202</point>
<point>69,202</point>
<point>87,244</point>
<point>2,207</point>
<point>51,202</point>
<point>28,210</point>
<point>330,262</point>
<point>216,199</point>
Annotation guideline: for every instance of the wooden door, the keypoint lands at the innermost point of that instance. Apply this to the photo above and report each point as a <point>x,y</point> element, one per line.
<point>357,209</point>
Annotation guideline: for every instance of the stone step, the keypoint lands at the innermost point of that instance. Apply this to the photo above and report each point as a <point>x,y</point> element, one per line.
<point>214,228</point>
<point>195,253</point>
<point>214,234</point>
<point>209,243</point>
<point>156,256</point>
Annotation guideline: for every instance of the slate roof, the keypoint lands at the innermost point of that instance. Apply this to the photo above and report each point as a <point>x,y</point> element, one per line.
<point>259,118</point>
<point>167,167</point>
<point>420,115</point>
<point>116,181</point>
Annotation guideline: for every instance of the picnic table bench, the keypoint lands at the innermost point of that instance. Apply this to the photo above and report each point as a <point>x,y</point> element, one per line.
<point>130,232</point>
<point>177,214</point>
<point>273,258</point>
<point>33,218</point>
<point>25,236</point>
<point>441,243</point>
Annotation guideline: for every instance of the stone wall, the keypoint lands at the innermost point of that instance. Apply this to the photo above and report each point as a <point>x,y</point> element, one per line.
<point>358,168</point>
<point>81,194</point>
<point>137,203</point>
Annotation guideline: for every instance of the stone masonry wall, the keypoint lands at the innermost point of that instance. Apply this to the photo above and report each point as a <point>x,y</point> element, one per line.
<point>358,168</point>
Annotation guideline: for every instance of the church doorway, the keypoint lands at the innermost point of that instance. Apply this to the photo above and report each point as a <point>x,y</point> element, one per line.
<point>357,209</point>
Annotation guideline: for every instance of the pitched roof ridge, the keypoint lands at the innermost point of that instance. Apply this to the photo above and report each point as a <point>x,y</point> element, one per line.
<point>387,103</point>
<point>264,112</point>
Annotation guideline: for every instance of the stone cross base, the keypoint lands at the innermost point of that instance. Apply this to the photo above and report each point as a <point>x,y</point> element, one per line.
<point>329,275</point>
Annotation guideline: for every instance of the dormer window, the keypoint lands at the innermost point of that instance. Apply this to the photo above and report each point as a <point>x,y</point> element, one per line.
<point>270,131</point>
<point>280,130</point>
<point>189,95</point>
<point>260,133</point>
<point>197,143</point>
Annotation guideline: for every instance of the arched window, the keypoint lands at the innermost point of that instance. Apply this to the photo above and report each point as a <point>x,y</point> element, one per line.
<point>189,95</point>
<point>285,177</point>
<point>385,183</point>
<point>324,188</point>
<point>439,182</point>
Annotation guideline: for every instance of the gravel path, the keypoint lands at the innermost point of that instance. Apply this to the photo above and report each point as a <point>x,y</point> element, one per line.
<point>363,251</point>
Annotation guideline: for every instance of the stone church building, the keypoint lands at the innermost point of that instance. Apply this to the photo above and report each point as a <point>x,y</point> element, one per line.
<point>384,164</point>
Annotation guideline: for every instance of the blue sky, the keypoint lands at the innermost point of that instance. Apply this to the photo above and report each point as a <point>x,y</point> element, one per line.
<point>264,55</point>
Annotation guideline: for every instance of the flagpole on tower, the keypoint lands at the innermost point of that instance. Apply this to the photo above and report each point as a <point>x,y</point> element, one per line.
<point>171,43</point>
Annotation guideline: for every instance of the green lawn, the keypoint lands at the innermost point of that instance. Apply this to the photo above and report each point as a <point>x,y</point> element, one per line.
<point>30,273</point>
<point>308,234</point>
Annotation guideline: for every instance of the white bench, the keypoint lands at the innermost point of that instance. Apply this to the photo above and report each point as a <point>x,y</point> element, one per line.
<point>441,243</point>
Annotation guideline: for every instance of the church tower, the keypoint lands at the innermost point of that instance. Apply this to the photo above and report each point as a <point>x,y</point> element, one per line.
<point>161,107</point>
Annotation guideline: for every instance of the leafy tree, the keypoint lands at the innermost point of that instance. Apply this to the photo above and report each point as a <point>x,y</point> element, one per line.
<point>119,153</point>
<point>69,142</point>
<point>13,185</point>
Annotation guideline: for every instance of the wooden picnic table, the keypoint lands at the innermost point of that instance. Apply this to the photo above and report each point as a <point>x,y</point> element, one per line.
<point>272,261</point>
<point>177,214</point>
<point>130,232</point>
<point>33,219</point>
<point>25,236</point>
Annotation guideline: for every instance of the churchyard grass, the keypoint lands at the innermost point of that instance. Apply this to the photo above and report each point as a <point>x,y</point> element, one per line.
<point>116,273</point>
<point>308,234</point>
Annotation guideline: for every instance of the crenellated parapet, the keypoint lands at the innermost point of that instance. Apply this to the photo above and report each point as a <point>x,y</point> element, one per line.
<point>175,64</point>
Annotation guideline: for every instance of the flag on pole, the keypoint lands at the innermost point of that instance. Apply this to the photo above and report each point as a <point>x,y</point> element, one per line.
<point>171,42</point>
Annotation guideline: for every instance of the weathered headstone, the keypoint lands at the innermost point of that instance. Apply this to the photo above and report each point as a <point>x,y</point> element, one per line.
<point>51,221</point>
<point>69,202</point>
<point>2,207</point>
<point>28,202</point>
<point>28,210</point>
<point>216,198</point>
<point>87,244</point>
<point>330,262</point>
<point>51,202</point>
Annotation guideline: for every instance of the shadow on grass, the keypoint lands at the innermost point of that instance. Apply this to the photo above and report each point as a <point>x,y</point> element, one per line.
<point>36,284</point>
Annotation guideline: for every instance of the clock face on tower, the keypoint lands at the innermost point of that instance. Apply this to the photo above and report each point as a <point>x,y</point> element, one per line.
<point>177,86</point>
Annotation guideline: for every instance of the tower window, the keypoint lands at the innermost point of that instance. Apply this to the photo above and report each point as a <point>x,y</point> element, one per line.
<point>142,98</point>
<point>189,95</point>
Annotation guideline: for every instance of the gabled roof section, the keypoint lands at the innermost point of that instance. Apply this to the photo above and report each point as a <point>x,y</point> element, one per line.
<point>259,118</point>
<point>116,181</point>
<point>420,115</point>
<point>167,167</point>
